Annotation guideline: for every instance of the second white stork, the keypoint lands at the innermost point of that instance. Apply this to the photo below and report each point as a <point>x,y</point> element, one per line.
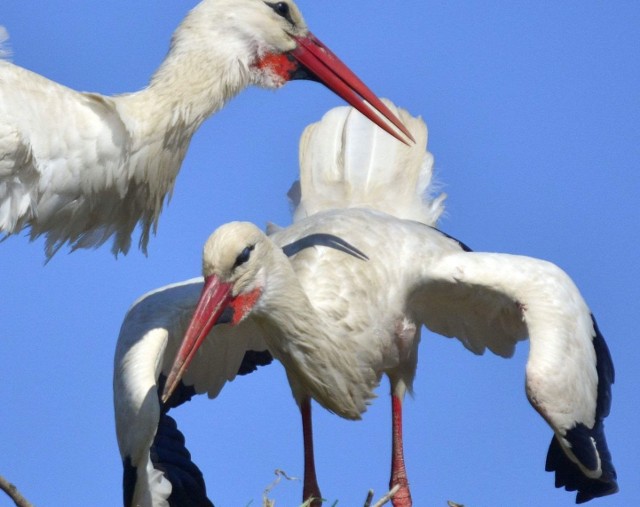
<point>340,318</point>
<point>158,470</point>
<point>81,168</point>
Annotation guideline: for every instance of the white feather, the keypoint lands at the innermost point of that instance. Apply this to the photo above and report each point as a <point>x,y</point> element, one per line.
<point>344,163</point>
<point>5,50</point>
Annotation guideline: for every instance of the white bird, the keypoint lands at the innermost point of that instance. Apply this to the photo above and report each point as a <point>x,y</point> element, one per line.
<point>82,168</point>
<point>157,467</point>
<point>340,296</point>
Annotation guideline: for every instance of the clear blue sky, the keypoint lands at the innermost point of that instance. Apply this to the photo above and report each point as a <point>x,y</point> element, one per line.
<point>534,118</point>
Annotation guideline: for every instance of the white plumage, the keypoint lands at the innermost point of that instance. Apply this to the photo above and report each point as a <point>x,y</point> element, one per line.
<point>340,296</point>
<point>82,168</point>
<point>5,52</point>
<point>149,338</point>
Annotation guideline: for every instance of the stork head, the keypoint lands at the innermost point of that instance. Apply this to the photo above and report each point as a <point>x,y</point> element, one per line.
<point>270,44</point>
<point>235,273</point>
<point>234,259</point>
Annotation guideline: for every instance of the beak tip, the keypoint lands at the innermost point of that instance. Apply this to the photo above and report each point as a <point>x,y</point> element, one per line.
<point>169,387</point>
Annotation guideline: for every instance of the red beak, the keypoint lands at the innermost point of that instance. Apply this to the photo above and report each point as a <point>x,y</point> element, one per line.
<point>324,66</point>
<point>214,298</point>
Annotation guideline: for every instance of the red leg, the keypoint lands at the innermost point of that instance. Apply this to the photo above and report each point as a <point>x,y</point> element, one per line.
<point>402,498</point>
<point>310,487</point>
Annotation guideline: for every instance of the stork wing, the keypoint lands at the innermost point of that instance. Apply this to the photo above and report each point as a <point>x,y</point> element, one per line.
<point>62,155</point>
<point>157,466</point>
<point>494,300</point>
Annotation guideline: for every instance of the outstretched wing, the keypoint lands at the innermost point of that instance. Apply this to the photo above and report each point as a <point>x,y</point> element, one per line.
<point>492,301</point>
<point>62,155</point>
<point>158,470</point>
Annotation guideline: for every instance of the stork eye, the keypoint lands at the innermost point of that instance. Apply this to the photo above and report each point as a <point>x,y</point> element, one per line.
<point>243,256</point>
<point>281,9</point>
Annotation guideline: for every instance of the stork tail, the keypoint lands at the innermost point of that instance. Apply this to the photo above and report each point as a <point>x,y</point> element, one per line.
<point>347,162</point>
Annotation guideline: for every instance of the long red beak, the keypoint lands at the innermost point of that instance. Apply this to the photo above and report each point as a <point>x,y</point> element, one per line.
<point>323,65</point>
<point>213,300</point>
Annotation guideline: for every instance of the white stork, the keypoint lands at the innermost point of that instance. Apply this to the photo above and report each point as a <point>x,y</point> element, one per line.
<point>81,168</point>
<point>340,296</point>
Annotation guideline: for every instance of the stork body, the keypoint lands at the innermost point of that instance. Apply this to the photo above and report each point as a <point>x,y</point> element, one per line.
<point>338,322</point>
<point>340,313</point>
<point>82,168</point>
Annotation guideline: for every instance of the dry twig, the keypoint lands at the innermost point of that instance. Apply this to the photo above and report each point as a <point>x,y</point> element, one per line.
<point>13,493</point>
<point>386,497</point>
<point>265,495</point>
<point>280,474</point>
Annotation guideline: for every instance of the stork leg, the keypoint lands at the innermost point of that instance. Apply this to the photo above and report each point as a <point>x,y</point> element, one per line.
<point>310,488</point>
<point>402,498</point>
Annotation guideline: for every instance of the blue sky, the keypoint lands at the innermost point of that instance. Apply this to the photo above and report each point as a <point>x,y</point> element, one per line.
<point>534,119</point>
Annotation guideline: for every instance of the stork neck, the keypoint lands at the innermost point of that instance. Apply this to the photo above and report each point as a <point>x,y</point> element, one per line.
<point>285,312</point>
<point>312,348</point>
<point>196,84</point>
<point>189,86</point>
<point>288,312</point>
